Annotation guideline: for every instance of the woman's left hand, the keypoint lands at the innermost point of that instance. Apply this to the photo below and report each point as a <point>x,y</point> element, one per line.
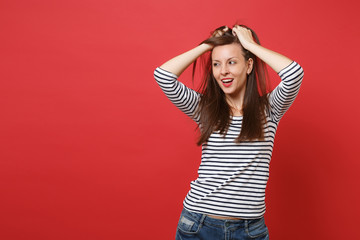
<point>244,35</point>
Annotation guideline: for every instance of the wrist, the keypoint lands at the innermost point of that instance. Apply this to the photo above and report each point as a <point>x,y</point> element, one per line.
<point>206,46</point>
<point>250,46</point>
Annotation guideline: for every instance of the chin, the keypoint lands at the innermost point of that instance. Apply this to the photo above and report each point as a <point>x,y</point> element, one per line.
<point>229,91</point>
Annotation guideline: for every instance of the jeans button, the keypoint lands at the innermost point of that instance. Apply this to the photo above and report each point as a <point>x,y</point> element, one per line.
<point>227,224</point>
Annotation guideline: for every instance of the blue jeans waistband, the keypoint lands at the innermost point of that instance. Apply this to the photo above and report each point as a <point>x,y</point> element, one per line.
<point>203,218</point>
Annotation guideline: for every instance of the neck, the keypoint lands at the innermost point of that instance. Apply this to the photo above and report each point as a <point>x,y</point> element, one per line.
<point>235,106</point>
<point>236,100</point>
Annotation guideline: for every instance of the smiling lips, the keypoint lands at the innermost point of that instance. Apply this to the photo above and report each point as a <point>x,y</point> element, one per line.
<point>227,81</point>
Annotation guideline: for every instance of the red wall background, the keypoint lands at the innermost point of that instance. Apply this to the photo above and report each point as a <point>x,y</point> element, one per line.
<point>90,148</point>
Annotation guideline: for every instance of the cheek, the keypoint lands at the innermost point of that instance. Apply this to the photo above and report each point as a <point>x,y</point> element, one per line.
<point>215,73</point>
<point>216,76</point>
<point>213,70</point>
<point>240,72</point>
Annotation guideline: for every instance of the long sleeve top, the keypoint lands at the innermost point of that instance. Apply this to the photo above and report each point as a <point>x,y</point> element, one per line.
<point>232,177</point>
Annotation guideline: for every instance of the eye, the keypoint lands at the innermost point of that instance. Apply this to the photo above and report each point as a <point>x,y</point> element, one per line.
<point>232,62</point>
<point>215,64</point>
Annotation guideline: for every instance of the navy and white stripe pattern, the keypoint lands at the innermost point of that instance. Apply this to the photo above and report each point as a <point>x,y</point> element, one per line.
<point>233,176</point>
<point>186,99</point>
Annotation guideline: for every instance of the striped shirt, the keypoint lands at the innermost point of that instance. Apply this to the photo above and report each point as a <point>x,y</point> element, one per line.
<point>232,176</point>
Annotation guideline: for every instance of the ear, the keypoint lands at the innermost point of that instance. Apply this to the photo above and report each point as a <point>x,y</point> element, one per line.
<point>250,64</point>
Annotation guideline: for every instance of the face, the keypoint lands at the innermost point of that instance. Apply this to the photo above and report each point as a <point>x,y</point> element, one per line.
<point>230,69</point>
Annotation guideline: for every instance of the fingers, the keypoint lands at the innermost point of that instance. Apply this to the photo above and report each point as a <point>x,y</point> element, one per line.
<point>237,29</point>
<point>219,32</point>
<point>244,35</point>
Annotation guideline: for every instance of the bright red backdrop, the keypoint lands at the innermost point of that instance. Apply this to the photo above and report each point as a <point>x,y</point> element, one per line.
<point>90,148</point>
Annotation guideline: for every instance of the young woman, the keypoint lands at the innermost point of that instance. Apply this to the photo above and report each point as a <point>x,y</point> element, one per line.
<point>237,120</point>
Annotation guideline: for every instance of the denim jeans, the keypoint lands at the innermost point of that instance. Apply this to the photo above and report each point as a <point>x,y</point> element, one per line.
<point>196,226</point>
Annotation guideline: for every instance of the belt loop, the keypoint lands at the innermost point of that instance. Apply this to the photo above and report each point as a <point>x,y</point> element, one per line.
<point>202,219</point>
<point>246,223</point>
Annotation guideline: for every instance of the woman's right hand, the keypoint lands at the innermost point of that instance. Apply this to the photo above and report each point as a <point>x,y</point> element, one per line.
<point>179,63</point>
<point>219,31</point>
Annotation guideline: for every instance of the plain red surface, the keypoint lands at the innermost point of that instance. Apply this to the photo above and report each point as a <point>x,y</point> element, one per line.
<point>90,148</point>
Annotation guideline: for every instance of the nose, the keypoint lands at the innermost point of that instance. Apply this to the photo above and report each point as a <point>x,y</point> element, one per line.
<point>224,70</point>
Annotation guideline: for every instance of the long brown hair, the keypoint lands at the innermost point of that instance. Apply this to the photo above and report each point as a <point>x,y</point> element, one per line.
<point>214,110</point>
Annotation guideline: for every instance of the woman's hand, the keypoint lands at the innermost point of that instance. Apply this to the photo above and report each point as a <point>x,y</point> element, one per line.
<point>220,31</point>
<point>275,60</point>
<point>245,36</point>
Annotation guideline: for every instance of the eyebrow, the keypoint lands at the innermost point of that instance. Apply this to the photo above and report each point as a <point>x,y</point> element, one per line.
<point>214,60</point>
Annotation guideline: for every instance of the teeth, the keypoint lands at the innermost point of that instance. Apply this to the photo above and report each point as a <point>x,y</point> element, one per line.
<point>226,80</point>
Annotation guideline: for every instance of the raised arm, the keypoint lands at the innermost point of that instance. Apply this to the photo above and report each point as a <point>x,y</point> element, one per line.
<point>178,64</point>
<point>166,75</point>
<point>275,60</point>
<point>290,72</point>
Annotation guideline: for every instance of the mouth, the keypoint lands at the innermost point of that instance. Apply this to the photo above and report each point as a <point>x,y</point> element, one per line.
<point>227,81</point>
